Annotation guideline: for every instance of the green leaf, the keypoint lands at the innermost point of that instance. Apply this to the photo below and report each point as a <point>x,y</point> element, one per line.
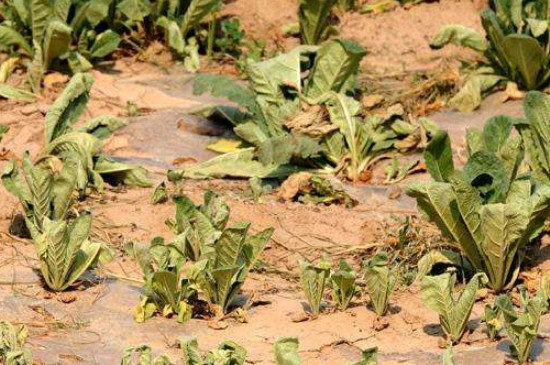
<point>469,96</point>
<point>116,172</point>
<point>336,62</point>
<point>41,11</point>
<point>286,351</point>
<point>437,294</point>
<point>461,36</point>
<point>105,44</point>
<point>12,93</point>
<point>190,349</point>
<point>56,42</point>
<point>103,126</point>
<point>343,285</point>
<point>439,157</point>
<point>380,282</point>
<point>196,12</point>
<point>312,279</point>
<point>314,20</point>
<point>68,107</point>
<point>10,37</point>
<point>241,164</point>
<point>526,56</point>
<point>165,285</point>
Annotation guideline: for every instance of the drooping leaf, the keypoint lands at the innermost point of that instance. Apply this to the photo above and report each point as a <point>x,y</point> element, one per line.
<point>312,279</point>
<point>286,351</point>
<point>460,36</point>
<point>439,157</point>
<point>196,12</point>
<point>380,281</point>
<point>314,20</point>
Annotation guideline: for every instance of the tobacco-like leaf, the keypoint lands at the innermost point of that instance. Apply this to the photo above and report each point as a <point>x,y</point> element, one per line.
<point>521,327</point>
<point>116,173</point>
<point>12,93</point>
<point>336,62</point>
<point>314,20</point>
<point>460,36</point>
<point>380,281</point>
<point>312,279</point>
<point>12,345</point>
<point>437,294</point>
<point>343,285</point>
<point>196,12</point>
<point>439,157</point>
<point>286,351</point>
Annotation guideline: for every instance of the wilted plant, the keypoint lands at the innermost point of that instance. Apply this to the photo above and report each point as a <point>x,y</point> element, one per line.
<point>227,353</point>
<point>299,116</point>
<point>164,290</point>
<point>224,255</point>
<point>343,285</point>
<point>380,281</point>
<point>12,345</point>
<point>314,16</point>
<point>521,327</point>
<point>286,351</point>
<point>515,48</point>
<point>84,143</point>
<point>46,192</point>
<point>48,32</point>
<point>437,294</point>
<point>486,208</point>
<point>144,356</point>
<point>313,279</point>
<point>491,317</point>
<point>534,132</point>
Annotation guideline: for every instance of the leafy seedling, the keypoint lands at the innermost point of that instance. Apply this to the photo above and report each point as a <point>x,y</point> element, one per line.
<point>313,279</point>
<point>437,294</point>
<point>380,281</point>
<point>343,285</point>
<point>521,327</point>
<point>12,345</point>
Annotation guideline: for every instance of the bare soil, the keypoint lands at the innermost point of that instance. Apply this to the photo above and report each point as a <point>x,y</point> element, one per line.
<point>93,322</point>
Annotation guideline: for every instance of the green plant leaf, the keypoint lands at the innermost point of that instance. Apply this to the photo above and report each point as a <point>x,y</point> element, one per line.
<point>286,351</point>
<point>68,107</point>
<point>105,44</point>
<point>196,12</point>
<point>116,172</point>
<point>312,279</point>
<point>526,56</point>
<point>336,62</point>
<point>380,281</point>
<point>12,93</point>
<point>103,126</point>
<point>439,157</point>
<point>56,42</point>
<point>314,20</point>
<point>461,36</point>
<point>10,37</point>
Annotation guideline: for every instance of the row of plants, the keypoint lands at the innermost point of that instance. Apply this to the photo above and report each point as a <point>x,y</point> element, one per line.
<point>66,168</point>
<point>515,49</point>
<point>300,112</point>
<point>14,352</point>
<point>73,35</point>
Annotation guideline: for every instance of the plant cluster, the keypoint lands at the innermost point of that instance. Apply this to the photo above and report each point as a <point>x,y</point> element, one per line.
<point>12,345</point>
<point>219,258</point>
<point>297,114</point>
<point>64,168</point>
<point>380,282</point>
<point>516,49</point>
<point>75,34</point>
<point>490,210</point>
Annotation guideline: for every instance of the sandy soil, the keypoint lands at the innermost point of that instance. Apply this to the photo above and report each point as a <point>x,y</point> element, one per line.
<point>91,324</point>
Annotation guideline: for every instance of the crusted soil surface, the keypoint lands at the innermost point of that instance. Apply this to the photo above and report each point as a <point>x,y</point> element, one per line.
<point>92,323</point>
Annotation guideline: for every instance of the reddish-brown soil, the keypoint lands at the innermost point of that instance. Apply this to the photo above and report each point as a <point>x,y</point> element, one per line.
<point>96,322</point>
